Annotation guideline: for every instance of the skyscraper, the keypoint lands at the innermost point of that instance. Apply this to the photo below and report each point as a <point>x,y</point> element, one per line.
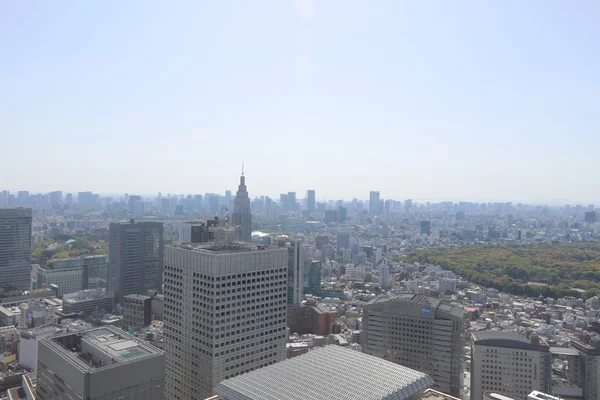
<point>374,203</point>
<point>98,364</point>
<point>418,332</point>
<point>242,214</point>
<point>15,248</point>
<point>225,313</point>
<point>426,228</point>
<point>310,200</point>
<point>135,258</point>
<point>292,200</point>
<point>295,270</point>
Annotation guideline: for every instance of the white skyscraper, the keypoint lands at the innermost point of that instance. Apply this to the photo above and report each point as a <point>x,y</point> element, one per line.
<point>225,313</point>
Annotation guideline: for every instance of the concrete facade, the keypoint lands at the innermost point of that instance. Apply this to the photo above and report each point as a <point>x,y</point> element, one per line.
<point>99,364</point>
<point>225,314</point>
<point>137,312</point>
<point>418,332</point>
<point>135,258</point>
<point>15,249</point>
<point>509,363</point>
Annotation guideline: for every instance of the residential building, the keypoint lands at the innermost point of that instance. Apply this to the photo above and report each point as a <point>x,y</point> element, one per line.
<point>15,249</point>
<point>374,203</point>
<point>242,214</point>
<point>137,312</point>
<point>225,313</point>
<point>509,363</point>
<point>312,376</point>
<point>418,332</point>
<point>99,364</point>
<point>87,301</point>
<point>135,258</point>
<point>310,200</point>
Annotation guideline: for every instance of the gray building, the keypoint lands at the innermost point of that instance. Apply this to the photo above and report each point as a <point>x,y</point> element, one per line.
<point>343,240</point>
<point>225,314</point>
<point>418,332</point>
<point>374,203</point>
<point>295,270</point>
<point>137,312</point>
<point>242,214</point>
<point>135,258</point>
<point>314,376</point>
<point>310,200</point>
<point>74,274</point>
<point>15,249</point>
<point>99,364</point>
<point>87,301</point>
<point>509,363</point>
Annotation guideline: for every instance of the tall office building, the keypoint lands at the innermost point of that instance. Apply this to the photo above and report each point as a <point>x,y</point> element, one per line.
<point>311,200</point>
<point>584,370</point>
<point>295,270</point>
<point>99,364</point>
<point>135,258</point>
<point>426,228</point>
<point>343,240</point>
<point>384,275</point>
<point>225,313</point>
<point>509,363</point>
<point>314,274</point>
<point>15,248</point>
<point>374,203</point>
<point>284,202</point>
<point>242,214</point>
<point>292,201</point>
<point>418,332</point>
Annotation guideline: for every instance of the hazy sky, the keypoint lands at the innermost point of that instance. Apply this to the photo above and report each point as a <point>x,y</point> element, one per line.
<point>423,99</point>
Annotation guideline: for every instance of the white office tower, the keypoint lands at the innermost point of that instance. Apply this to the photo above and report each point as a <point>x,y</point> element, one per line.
<point>225,314</point>
<point>99,364</point>
<point>384,276</point>
<point>509,363</point>
<point>314,376</point>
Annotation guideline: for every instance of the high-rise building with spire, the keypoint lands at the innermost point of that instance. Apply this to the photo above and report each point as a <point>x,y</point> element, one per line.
<point>242,215</point>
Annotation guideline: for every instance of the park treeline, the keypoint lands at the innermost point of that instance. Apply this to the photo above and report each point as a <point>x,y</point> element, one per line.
<point>513,268</point>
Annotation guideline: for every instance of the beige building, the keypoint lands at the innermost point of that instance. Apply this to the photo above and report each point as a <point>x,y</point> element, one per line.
<point>225,313</point>
<point>509,363</point>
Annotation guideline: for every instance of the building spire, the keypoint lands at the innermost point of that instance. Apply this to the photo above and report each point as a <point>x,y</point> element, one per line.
<point>242,169</point>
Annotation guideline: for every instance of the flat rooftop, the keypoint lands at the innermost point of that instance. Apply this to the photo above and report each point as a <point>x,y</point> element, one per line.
<point>100,347</point>
<point>312,376</point>
<point>216,248</point>
<point>512,340</point>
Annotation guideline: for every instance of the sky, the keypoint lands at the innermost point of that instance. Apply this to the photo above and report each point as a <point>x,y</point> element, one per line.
<point>438,100</point>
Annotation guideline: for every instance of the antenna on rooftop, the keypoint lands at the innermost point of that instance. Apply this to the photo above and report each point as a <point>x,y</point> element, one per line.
<point>242,169</point>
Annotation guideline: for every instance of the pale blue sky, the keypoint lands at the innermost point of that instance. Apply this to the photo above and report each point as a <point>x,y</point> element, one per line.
<point>423,99</point>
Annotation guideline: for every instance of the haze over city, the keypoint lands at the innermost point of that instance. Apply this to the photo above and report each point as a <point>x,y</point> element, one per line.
<point>424,100</point>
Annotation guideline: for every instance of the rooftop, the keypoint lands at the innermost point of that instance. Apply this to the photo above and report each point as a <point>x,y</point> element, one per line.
<point>311,376</point>
<point>100,347</point>
<point>512,340</point>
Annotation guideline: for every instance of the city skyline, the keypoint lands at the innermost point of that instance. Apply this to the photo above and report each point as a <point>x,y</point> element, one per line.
<point>433,100</point>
